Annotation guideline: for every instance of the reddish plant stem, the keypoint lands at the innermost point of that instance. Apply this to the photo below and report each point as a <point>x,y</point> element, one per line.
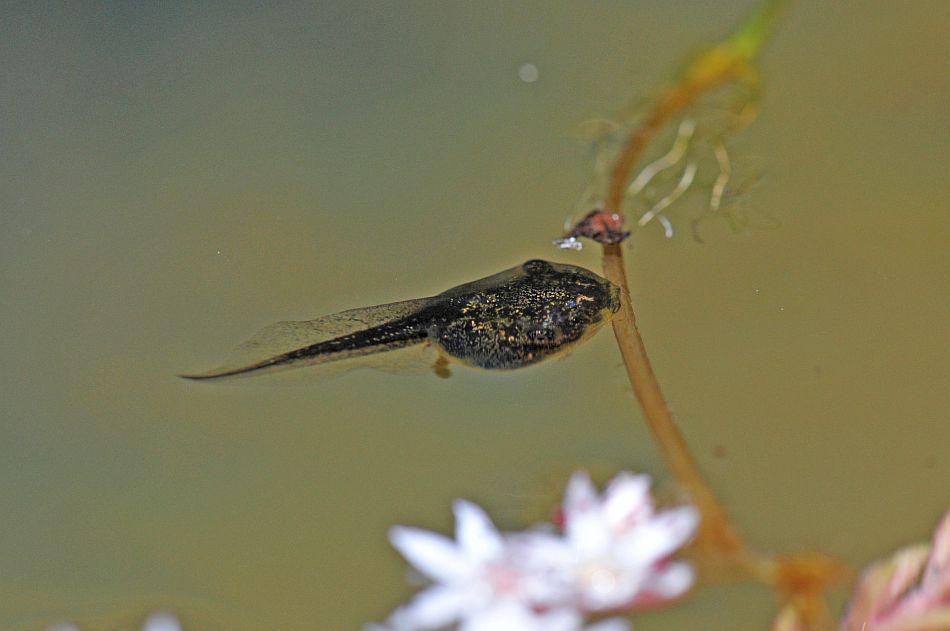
<point>727,62</point>
<point>715,531</point>
<point>719,550</point>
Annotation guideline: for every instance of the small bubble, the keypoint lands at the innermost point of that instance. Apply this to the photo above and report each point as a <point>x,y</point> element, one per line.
<point>528,73</point>
<point>569,243</point>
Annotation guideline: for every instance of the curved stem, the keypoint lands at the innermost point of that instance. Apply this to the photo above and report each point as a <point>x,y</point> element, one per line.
<point>729,61</point>
<point>718,550</point>
<point>715,531</point>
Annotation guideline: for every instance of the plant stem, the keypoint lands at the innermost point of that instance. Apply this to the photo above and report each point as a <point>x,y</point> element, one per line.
<point>729,61</point>
<point>715,529</point>
<point>718,550</point>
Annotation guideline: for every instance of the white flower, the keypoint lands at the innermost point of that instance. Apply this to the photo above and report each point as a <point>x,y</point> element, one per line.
<point>614,554</point>
<point>514,619</point>
<point>476,581</point>
<point>622,546</point>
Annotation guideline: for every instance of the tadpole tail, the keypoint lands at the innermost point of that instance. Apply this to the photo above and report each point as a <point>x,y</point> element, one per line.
<point>263,352</point>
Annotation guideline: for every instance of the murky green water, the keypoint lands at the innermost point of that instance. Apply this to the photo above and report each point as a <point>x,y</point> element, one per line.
<point>175,178</point>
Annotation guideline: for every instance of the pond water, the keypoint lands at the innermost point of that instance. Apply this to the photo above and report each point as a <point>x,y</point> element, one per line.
<point>176,177</point>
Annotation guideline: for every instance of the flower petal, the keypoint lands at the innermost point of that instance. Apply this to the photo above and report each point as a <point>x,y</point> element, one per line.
<point>939,563</point>
<point>432,554</point>
<point>658,537</point>
<point>546,564</point>
<point>475,534</point>
<point>882,584</point>
<point>584,523</point>
<point>581,495</point>
<point>627,499</point>
<point>934,620</point>
<point>588,533</point>
<point>435,607</point>
<point>672,581</point>
<point>505,615</point>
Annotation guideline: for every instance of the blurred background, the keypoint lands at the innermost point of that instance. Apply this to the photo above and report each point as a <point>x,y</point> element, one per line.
<point>175,176</point>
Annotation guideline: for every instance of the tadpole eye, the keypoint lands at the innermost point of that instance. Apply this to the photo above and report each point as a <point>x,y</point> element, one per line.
<point>537,266</point>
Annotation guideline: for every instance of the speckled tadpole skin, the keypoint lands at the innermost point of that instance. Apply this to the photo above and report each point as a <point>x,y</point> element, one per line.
<point>521,316</point>
<point>512,319</point>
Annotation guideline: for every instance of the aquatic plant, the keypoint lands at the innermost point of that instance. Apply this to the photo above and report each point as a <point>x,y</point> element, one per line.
<point>713,98</point>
